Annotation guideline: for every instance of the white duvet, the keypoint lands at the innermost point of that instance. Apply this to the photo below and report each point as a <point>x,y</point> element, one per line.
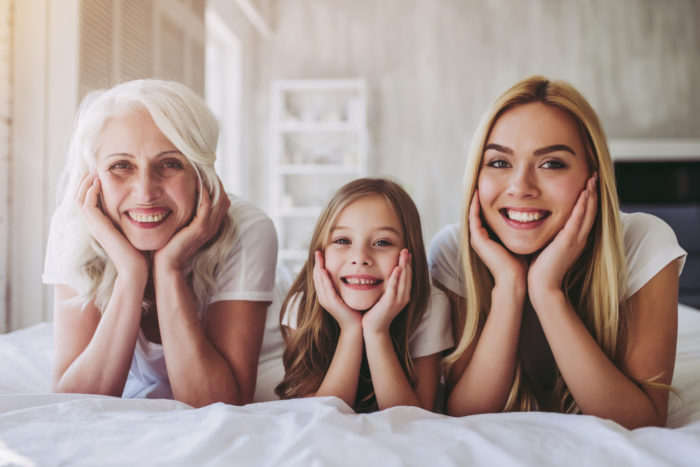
<point>38,428</point>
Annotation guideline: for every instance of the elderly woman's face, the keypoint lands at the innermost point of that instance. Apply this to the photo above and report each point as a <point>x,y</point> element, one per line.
<point>149,189</point>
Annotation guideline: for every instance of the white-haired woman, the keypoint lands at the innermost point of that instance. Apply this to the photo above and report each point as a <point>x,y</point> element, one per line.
<point>161,280</point>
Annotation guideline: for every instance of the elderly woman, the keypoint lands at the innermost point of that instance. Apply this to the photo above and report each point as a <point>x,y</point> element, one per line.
<point>162,281</point>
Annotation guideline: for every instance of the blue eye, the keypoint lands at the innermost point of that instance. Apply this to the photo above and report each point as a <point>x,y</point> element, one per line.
<point>171,165</point>
<point>382,243</point>
<point>342,241</point>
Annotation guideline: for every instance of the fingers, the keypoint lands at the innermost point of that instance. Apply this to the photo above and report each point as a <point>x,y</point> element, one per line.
<point>584,212</point>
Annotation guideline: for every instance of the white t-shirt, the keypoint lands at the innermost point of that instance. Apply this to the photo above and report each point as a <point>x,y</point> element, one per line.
<point>248,273</point>
<point>650,244</point>
<point>433,334</point>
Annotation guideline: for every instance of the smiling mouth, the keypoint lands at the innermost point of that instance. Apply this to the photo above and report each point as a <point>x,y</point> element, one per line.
<point>524,217</point>
<point>360,281</point>
<point>147,218</point>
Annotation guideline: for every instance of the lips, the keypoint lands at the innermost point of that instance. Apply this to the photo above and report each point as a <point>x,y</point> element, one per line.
<point>361,282</point>
<point>524,216</point>
<point>148,217</point>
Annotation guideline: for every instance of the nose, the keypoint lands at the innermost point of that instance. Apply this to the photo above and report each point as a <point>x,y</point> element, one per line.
<point>360,256</point>
<point>146,186</point>
<point>523,183</point>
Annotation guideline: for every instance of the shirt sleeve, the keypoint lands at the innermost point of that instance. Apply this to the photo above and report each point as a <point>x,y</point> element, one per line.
<point>434,333</point>
<point>249,270</point>
<point>443,259</point>
<point>650,245</point>
<point>289,318</point>
<point>52,272</point>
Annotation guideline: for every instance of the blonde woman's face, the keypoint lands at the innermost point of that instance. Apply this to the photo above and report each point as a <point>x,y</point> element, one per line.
<point>363,249</point>
<point>533,169</point>
<point>149,188</point>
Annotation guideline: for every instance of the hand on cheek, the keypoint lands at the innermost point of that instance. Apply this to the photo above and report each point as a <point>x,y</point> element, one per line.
<point>547,271</point>
<point>205,224</point>
<point>126,258</point>
<point>328,297</point>
<point>507,269</point>
<point>396,296</point>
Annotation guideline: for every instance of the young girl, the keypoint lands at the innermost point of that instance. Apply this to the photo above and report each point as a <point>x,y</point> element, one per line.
<point>560,302</point>
<point>161,279</point>
<point>361,321</point>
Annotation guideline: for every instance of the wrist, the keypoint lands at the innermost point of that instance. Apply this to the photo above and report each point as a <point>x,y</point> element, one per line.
<point>543,298</point>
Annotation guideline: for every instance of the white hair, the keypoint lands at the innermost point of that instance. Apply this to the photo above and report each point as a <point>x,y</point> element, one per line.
<point>187,122</point>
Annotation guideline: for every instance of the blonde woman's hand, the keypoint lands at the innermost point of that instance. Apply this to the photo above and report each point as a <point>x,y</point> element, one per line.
<point>396,296</point>
<point>127,259</point>
<point>547,270</point>
<point>329,299</point>
<point>181,248</point>
<point>507,269</point>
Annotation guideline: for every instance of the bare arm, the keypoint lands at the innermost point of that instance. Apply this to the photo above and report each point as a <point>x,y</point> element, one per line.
<point>93,353</point>
<point>484,373</point>
<point>214,361</point>
<point>597,385</point>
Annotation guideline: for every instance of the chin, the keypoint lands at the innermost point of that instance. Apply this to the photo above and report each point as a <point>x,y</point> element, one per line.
<point>360,304</point>
<point>145,244</point>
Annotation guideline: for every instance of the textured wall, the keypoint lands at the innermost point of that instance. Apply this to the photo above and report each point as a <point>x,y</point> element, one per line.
<point>5,121</point>
<point>433,66</point>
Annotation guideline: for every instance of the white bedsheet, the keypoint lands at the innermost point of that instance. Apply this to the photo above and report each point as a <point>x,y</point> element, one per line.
<point>38,428</point>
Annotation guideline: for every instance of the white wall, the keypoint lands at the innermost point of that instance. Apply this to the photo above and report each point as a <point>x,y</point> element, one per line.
<point>433,67</point>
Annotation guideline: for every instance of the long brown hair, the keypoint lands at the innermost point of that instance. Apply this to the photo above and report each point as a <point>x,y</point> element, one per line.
<point>309,349</point>
<point>595,284</point>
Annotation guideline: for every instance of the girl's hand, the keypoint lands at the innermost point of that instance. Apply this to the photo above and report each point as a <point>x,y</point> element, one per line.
<point>126,258</point>
<point>548,269</point>
<point>178,252</point>
<point>507,269</point>
<point>396,296</point>
<point>329,299</point>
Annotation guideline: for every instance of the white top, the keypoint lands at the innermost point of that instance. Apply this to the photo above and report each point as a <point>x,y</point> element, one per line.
<point>433,334</point>
<point>248,273</point>
<point>650,244</point>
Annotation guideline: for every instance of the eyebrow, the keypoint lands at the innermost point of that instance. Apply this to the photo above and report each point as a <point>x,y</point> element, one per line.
<point>131,156</point>
<point>538,152</point>
<point>380,229</point>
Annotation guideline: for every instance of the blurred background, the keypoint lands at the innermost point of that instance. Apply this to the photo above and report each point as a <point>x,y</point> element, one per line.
<point>312,93</point>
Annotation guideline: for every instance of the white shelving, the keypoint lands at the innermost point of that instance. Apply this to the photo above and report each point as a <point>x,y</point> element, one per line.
<point>318,139</point>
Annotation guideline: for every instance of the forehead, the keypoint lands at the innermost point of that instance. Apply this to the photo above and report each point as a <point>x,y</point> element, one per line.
<point>368,212</point>
<point>537,125</point>
<point>132,132</point>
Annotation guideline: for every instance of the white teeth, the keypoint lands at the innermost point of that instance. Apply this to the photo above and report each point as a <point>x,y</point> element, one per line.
<point>146,217</point>
<point>520,216</point>
<point>356,281</point>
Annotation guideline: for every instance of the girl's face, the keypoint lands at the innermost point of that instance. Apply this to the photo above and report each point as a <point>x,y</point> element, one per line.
<point>363,249</point>
<point>149,188</point>
<point>533,169</point>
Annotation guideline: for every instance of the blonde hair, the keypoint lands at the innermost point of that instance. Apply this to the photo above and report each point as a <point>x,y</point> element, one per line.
<point>310,348</point>
<point>187,122</point>
<point>595,284</point>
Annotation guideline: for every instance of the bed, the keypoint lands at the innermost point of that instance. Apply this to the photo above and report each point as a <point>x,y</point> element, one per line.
<point>40,428</point>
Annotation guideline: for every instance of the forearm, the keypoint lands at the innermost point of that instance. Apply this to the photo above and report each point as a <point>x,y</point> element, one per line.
<point>596,384</point>
<point>198,373</point>
<point>487,379</point>
<point>391,387</point>
<point>103,366</point>
<point>344,371</point>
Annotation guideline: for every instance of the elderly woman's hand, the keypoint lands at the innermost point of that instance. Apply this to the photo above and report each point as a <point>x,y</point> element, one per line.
<point>127,260</point>
<point>178,252</point>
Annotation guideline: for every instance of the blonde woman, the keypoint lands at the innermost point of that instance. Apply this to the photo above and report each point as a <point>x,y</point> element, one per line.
<point>560,302</point>
<point>162,280</point>
<point>361,321</point>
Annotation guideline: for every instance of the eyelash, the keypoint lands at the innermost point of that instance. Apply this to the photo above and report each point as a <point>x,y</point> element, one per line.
<point>345,241</point>
<point>551,164</point>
